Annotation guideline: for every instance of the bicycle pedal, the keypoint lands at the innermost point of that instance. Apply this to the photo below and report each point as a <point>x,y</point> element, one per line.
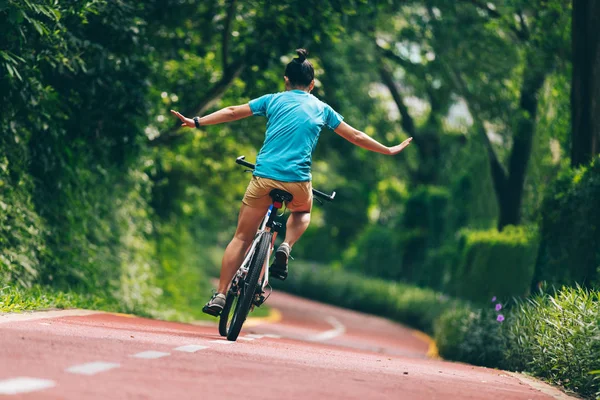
<point>260,300</point>
<point>281,275</point>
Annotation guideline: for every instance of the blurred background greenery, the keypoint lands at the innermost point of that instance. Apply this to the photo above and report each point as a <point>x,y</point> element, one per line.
<point>102,194</point>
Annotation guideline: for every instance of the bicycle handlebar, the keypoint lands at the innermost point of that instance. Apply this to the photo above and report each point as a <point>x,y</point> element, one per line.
<point>329,197</point>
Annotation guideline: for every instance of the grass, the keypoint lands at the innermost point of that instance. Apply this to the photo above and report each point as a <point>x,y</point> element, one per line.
<point>38,298</point>
<point>18,299</point>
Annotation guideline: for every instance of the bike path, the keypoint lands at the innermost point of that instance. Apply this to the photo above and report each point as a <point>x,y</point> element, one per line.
<point>312,351</point>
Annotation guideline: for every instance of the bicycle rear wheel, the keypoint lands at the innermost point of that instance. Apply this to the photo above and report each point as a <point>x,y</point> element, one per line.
<point>249,286</point>
<point>230,302</point>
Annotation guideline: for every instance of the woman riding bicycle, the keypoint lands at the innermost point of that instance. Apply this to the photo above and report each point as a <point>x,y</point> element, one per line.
<point>294,122</point>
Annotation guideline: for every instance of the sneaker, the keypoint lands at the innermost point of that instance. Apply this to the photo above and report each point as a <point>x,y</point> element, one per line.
<point>279,268</point>
<point>215,305</point>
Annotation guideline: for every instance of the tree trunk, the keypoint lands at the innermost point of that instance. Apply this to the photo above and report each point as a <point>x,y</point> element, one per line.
<point>510,201</point>
<point>585,88</point>
<point>426,139</point>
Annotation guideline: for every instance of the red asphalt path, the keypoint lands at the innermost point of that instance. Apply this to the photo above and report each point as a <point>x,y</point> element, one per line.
<point>323,352</point>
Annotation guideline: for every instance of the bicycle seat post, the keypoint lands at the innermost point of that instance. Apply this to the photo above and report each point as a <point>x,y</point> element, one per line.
<point>279,197</point>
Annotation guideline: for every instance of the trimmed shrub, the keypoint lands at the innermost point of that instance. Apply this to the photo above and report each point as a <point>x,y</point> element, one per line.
<point>404,303</point>
<point>380,250</point>
<point>471,335</point>
<point>426,219</point>
<point>494,264</point>
<point>570,229</point>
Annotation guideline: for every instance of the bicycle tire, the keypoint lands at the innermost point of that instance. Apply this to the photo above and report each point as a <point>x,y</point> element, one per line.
<point>248,289</point>
<point>224,318</point>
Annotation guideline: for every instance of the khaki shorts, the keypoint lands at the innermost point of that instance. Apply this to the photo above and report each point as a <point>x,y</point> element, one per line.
<point>257,194</point>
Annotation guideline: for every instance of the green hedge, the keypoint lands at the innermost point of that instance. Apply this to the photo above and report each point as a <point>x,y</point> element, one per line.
<point>570,229</point>
<point>494,264</point>
<point>401,249</point>
<point>408,304</point>
<point>470,335</point>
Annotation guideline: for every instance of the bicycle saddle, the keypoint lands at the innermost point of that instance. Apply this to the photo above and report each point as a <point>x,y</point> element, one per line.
<point>280,196</point>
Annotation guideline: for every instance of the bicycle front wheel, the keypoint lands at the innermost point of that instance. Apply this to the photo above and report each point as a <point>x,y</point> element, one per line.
<point>249,286</point>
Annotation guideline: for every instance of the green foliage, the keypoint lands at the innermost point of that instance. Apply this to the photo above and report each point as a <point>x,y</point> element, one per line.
<point>22,232</point>
<point>556,337</point>
<point>182,274</point>
<point>494,264</point>
<point>570,229</point>
<point>471,335</point>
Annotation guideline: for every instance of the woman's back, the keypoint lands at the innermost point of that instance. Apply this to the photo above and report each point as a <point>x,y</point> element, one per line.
<point>294,122</point>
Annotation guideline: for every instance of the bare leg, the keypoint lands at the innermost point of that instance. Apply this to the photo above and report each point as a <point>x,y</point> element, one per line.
<point>296,226</point>
<point>248,222</point>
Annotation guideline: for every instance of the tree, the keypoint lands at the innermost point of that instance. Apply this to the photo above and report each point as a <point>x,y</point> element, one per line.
<point>585,89</point>
<point>539,37</point>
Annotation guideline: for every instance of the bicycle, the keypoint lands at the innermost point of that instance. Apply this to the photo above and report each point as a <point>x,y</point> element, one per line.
<point>245,290</point>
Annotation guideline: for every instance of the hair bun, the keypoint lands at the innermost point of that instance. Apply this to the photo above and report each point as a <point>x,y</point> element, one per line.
<point>302,53</point>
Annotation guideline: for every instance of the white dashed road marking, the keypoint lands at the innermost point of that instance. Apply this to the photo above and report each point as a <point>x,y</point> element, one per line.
<point>270,335</point>
<point>24,384</point>
<point>248,339</point>
<point>338,329</point>
<point>190,348</point>
<point>92,368</point>
<point>253,336</point>
<point>151,354</point>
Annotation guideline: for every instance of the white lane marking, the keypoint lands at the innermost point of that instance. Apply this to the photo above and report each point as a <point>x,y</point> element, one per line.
<point>338,329</point>
<point>270,335</point>
<point>28,316</point>
<point>151,354</point>
<point>254,336</point>
<point>190,348</point>
<point>24,384</point>
<point>92,368</point>
<point>248,339</point>
<point>220,341</point>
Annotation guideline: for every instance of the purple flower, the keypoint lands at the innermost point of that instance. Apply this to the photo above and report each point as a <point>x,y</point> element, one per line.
<point>493,299</point>
<point>498,307</point>
<point>500,318</point>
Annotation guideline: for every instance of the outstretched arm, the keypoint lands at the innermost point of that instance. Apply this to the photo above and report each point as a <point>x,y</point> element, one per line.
<point>226,114</point>
<point>363,140</point>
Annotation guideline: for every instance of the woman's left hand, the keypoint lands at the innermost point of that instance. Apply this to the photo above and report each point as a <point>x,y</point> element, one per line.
<point>185,121</point>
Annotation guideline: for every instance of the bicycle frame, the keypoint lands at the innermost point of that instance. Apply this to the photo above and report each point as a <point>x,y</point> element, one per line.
<point>243,270</point>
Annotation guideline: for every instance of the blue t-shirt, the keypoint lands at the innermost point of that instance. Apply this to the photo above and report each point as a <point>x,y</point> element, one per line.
<point>294,122</point>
